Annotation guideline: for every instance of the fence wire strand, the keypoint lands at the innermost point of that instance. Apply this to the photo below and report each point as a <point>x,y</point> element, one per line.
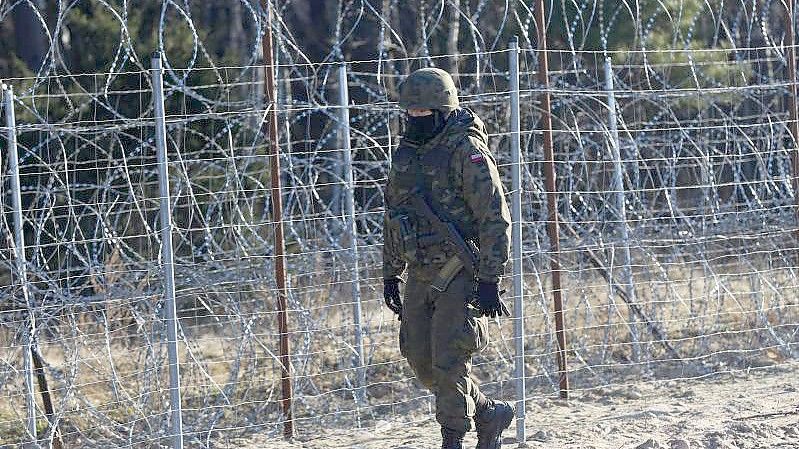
<point>708,191</point>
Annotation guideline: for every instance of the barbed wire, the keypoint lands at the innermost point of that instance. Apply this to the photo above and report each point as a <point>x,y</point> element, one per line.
<point>703,122</point>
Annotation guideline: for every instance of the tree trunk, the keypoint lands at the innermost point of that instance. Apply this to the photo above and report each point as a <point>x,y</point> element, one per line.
<point>31,43</point>
<point>454,19</point>
<point>236,35</point>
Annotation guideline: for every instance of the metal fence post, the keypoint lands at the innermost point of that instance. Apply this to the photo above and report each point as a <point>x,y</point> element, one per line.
<point>166,253</point>
<point>621,208</point>
<point>790,54</point>
<point>21,262</point>
<point>516,235</point>
<point>352,230</point>
<point>553,230</point>
<point>276,197</point>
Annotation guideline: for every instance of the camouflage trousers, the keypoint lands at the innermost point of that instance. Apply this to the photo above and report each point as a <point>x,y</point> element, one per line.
<point>438,335</point>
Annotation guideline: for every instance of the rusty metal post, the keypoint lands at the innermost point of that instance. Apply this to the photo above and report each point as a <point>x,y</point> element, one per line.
<point>792,96</point>
<point>552,196</point>
<point>277,217</point>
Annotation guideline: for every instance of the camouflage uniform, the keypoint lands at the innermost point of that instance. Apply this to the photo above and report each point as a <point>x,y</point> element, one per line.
<point>440,329</point>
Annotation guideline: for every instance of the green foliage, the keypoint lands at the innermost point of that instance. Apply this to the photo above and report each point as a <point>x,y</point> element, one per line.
<point>684,52</point>
<point>101,80</point>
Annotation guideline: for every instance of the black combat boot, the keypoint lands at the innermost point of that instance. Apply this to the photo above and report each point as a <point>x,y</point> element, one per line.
<point>490,423</point>
<point>451,439</point>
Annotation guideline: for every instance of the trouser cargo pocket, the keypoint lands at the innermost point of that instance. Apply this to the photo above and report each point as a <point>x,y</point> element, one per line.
<point>477,328</point>
<point>474,335</point>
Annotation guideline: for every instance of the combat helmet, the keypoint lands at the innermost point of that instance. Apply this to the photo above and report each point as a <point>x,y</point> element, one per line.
<point>429,88</point>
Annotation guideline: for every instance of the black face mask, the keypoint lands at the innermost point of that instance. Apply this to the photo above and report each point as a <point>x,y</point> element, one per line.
<point>422,129</point>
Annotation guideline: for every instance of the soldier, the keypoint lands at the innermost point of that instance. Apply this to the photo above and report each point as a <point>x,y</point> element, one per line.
<point>448,224</point>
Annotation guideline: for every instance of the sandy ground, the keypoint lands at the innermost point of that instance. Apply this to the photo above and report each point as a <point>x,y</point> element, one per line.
<point>758,409</point>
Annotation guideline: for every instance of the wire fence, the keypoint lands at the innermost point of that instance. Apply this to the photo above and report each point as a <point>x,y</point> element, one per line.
<point>676,209</point>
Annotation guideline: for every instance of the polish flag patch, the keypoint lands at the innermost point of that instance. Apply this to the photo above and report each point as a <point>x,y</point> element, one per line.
<point>476,158</point>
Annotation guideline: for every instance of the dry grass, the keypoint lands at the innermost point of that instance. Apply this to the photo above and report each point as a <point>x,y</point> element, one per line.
<point>113,385</point>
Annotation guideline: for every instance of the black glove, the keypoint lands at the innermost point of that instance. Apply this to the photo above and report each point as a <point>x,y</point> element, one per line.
<point>391,295</point>
<point>488,300</point>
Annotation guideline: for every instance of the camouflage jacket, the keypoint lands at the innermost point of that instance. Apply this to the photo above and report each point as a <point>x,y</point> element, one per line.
<point>461,179</point>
